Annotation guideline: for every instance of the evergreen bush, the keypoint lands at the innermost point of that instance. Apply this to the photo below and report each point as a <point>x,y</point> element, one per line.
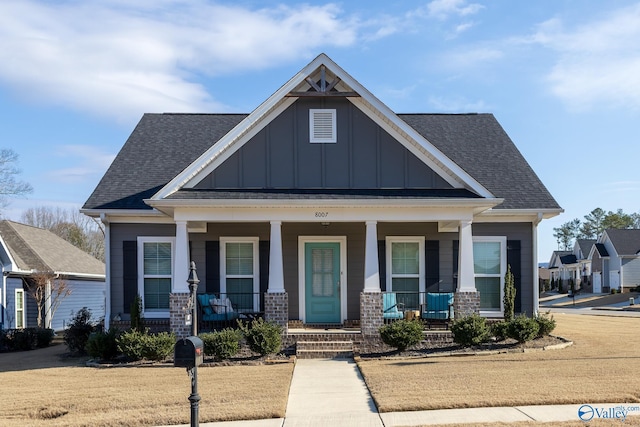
<point>470,330</point>
<point>546,324</point>
<point>137,319</point>
<point>500,330</point>
<point>137,345</point>
<point>523,328</point>
<point>402,334</point>
<point>80,327</point>
<point>509,298</point>
<point>103,345</point>
<point>263,337</point>
<point>222,344</point>
<point>44,337</point>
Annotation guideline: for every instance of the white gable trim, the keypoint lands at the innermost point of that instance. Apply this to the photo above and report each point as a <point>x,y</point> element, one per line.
<point>278,102</point>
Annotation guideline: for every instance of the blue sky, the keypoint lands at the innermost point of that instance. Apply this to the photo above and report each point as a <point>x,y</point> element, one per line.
<point>561,76</point>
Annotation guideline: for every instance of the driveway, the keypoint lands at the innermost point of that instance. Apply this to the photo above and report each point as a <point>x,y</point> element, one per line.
<point>593,304</point>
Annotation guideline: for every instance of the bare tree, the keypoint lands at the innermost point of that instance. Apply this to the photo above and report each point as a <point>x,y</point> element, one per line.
<point>48,290</point>
<point>71,225</point>
<point>9,186</point>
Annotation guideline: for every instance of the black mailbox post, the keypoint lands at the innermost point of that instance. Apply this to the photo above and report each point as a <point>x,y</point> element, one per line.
<point>188,353</point>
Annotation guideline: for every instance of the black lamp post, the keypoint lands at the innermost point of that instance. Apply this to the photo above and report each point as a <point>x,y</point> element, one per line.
<point>194,397</point>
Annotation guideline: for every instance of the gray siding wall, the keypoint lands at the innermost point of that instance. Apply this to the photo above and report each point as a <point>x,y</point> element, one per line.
<point>84,293</point>
<point>631,272</point>
<point>364,157</point>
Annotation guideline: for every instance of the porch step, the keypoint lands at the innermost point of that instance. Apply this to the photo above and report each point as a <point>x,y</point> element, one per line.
<point>324,349</point>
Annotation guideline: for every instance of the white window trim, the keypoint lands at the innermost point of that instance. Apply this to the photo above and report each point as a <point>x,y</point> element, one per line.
<point>421,261</point>
<point>24,308</point>
<point>155,314</point>
<point>503,270</point>
<point>256,266</point>
<point>334,134</point>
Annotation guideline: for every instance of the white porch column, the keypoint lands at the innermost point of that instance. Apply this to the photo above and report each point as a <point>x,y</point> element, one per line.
<point>276,270</point>
<point>371,268</point>
<point>181,264</point>
<point>107,278</point>
<point>466,282</point>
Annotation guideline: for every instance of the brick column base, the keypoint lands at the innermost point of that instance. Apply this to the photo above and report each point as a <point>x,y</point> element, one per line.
<point>276,309</point>
<point>466,303</point>
<point>370,313</point>
<point>178,303</point>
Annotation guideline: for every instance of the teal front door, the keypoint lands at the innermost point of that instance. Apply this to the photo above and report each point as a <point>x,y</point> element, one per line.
<point>322,282</point>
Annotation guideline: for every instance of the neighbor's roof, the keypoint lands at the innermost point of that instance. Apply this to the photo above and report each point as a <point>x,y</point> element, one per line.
<point>602,251</point>
<point>626,241</point>
<point>162,145</point>
<point>585,245</point>
<point>35,249</point>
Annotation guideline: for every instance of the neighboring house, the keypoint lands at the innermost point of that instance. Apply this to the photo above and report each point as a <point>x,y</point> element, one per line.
<point>615,260</point>
<point>27,252</point>
<point>316,202</point>
<point>573,265</point>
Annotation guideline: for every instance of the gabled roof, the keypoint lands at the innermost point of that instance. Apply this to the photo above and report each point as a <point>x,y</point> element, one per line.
<point>625,241</point>
<point>585,246</point>
<point>602,250</point>
<point>568,259</point>
<point>557,256</point>
<point>33,249</point>
<point>167,152</point>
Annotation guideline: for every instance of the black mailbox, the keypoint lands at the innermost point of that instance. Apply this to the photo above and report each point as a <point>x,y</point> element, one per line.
<point>188,353</point>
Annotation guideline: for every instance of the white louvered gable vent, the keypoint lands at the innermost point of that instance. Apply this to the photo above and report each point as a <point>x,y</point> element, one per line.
<point>322,125</point>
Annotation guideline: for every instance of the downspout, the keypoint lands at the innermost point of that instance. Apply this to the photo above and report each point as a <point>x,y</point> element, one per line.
<point>47,303</point>
<point>107,272</point>
<point>536,278</point>
<point>3,300</point>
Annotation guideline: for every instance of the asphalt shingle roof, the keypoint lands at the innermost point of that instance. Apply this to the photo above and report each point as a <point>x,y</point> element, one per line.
<point>626,241</point>
<point>36,249</point>
<point>162,145</point>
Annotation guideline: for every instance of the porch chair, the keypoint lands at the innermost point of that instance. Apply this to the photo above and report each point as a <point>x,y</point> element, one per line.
<point>390,306</point>
<point>437,307</point>
<point>214,309</point>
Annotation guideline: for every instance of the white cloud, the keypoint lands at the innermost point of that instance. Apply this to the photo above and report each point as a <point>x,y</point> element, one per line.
<point>118,59</point>
<point>89,163</point>
<point>443,9</point>
<point>598,63</point>
<point>457,105</point>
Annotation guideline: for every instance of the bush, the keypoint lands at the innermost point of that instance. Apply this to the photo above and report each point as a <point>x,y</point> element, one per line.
<point>263,337</point>
<point>509,299</point>
<point>137,318</point>
<point>24,339</point>
<point>222,344</point>
<point>523,328</point>
<point>500,330</point>
<point>103,345</point>
<point>80,327</point>
<point>402,334</point>
<point>546,324</point>
<point>137,345</point>
<point>44,337</point>
<point>470,330</point>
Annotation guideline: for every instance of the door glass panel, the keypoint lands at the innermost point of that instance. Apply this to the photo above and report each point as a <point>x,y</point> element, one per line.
<point>322,272</point>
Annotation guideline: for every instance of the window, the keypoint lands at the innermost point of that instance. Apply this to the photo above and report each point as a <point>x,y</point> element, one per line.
<point>322,126</point>
<point>155,255</point>
<point>20,311</point>
<point>405,267</point>
<point>490,266</point>
<point>239,272</point>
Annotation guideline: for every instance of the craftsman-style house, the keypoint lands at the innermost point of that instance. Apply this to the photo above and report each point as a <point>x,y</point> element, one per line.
<point>317,204</point>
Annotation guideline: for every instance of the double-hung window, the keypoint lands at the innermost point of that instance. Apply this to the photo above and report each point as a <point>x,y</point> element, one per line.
<point>490,267</point>
<point>406,270</point>
<point>155,256</point>
<point>20,311</point>
<point>239,272</point>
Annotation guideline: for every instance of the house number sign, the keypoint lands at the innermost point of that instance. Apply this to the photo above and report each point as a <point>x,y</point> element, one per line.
<point>322,214</point>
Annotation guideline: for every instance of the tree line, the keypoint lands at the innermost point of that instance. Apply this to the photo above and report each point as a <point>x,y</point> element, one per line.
<point>593,225</point>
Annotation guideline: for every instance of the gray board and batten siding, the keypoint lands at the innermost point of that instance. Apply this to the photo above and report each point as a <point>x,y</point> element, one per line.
<point>364,156</point>
<point>441,256</point>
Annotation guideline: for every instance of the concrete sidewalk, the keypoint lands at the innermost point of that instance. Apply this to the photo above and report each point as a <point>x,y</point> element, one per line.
<point>327,392</point>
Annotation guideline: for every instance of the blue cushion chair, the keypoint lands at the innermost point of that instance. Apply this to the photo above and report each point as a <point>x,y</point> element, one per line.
<point>390,309</point>
<point>438,306</point>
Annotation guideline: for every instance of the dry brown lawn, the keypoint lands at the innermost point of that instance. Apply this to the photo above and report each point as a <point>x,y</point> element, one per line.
<point>601,366</point>
<point>72,395</point>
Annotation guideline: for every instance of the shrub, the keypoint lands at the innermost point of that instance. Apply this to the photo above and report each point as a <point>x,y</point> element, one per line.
<point>500,330</point>
<point>546,324</point>
<point>24,339</point>
<point>137,345</point>
<point>44,336</point>
<point>222,344</point>
<point>402,334</point>
<point>137,319</point>
<point>470,330</point>
<point>509,298</point>
<point>523,328</point>
<point>103,345</point>
<point>263,337</point>
<point>80,327</point>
